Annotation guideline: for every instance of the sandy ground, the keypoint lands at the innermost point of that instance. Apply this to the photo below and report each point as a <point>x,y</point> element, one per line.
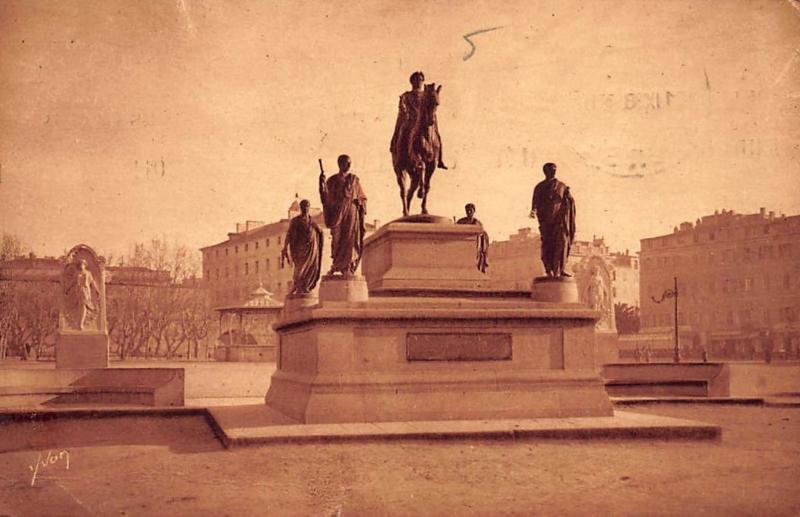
<point>150,466</point>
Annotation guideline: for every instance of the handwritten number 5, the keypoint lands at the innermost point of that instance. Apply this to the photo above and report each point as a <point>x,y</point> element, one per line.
<point>471,44</point>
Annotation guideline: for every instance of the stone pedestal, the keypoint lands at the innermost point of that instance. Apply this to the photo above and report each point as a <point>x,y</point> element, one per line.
<point>555,290</point>
<point>409,258</point>
<point>294,302</point>
<point>81,350</point>
<point>338,288</point>
<point>431,342</point>
<point>412,359</point>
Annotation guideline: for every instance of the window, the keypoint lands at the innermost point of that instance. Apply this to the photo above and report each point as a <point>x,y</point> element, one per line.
<point>256,266</point>
<point>256,243</point>
<point>217,274</point>
<point>246,268</point>
<point>226,252</point>
<point>236,249</point>
<point>208,274</point>
<point>246,246</point>
<point>227,272</point>
<point>216,252</point>
<point>748,284</point>
<point>267,264</point>
<point>266,243</point>
<point>279,240</point>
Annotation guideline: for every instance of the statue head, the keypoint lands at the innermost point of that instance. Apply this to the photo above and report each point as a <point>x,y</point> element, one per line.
<point>344,163</point>
<point>549,170</point>
<point>469,208</point>
<point>416,80</point>
<point>82,265</point>
<point>305,205</point>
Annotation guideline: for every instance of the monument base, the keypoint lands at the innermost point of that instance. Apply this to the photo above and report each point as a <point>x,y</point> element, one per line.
<point>562,289</point>
<point>81,350</point>
<point>419,359</point>
<point>339,288</point>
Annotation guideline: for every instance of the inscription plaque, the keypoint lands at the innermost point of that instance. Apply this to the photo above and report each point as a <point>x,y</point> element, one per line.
<point>458,347</point>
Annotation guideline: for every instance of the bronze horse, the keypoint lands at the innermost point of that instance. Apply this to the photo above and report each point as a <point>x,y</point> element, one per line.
<point>416,150</point>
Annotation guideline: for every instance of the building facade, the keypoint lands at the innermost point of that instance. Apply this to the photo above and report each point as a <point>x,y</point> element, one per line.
<point>738,285</point>
<point>49,269</point>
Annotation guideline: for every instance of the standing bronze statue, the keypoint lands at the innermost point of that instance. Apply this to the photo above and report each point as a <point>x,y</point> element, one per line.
<point>303,249</point>
<point>554,207</point>
<point>416,146</point>
<point>344,206</point>
<point>483,238</point>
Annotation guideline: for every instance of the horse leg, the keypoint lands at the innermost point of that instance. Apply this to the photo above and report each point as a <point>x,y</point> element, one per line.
<point>428,173</point>
<point>415,184</point>
<point>401,181</point>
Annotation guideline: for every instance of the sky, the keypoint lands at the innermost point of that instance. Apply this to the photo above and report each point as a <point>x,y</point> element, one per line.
<point>121,121</point>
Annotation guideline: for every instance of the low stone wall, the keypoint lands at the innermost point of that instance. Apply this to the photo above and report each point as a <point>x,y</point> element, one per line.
<point>667,380</point>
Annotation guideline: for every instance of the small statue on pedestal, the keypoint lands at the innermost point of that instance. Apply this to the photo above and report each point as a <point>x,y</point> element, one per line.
<point>554,207</point>
<point>483,238</point>
<point>302,248</point>
<point>344,206</point>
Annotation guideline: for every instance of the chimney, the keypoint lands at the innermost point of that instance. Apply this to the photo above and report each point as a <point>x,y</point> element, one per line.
<point>239,227</point>
<point>377,223</point>
<point>771,215</point>
<point>762,211</point>
<point>249,225</point>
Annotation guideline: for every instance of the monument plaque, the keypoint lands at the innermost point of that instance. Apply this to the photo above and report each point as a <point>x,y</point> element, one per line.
<point>458,347</point>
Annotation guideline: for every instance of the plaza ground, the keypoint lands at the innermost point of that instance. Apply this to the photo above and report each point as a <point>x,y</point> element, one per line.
<point>146,466</point>
<point>158,466</point>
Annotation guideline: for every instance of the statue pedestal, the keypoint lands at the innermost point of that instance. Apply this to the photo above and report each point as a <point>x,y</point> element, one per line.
<point>337,288</point>
<point>81,350</point>
<point>555,289</point>
<point>426,358</point>
<point>423,258</point>
<point>294,302</point>
<point>431,342</point>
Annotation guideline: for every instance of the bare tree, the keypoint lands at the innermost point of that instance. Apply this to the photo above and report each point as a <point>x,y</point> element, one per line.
<point>158,320</point>
<point>11,247</point>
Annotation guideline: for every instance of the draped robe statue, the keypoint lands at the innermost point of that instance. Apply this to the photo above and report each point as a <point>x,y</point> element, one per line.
<point>303,247</point>
<point>554,207</point>
<point>482,257</point>
<point>344,206</point>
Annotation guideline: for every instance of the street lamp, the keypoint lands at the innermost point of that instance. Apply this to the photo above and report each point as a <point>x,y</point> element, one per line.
<point>672,293</point>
